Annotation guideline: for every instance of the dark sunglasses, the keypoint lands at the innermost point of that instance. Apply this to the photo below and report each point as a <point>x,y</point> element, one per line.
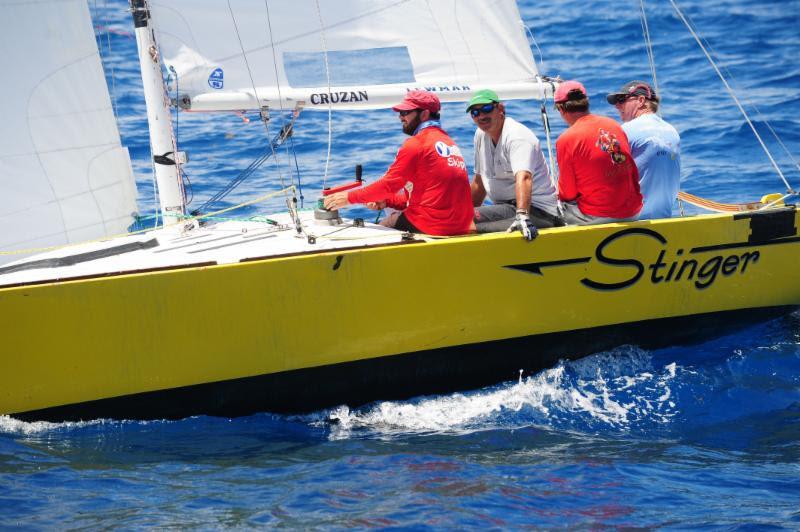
<point>624,97</point>
<point>485,109</point>
<point>621,98</point>
<point>405,113</point>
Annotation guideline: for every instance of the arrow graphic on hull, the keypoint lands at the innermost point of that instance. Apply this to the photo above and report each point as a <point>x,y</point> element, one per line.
<point>536,267</point>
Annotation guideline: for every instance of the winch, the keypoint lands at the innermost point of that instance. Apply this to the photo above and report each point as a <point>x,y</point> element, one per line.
<point>323,216</point>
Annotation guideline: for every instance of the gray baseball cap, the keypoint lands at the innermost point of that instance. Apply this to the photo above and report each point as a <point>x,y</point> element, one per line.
<point>632,88</point>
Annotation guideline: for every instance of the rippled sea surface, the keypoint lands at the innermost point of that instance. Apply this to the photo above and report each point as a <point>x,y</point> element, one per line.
<point>706,436</point>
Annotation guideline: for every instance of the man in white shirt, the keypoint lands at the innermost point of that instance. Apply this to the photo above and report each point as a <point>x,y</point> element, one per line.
<point>510,169</point>
<point>655,146</point>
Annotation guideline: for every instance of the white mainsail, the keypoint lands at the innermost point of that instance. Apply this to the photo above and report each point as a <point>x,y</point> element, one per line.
<point>356,54</point>
<point>63,174</point>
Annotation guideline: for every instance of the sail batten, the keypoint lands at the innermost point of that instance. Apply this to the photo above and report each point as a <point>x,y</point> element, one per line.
<point>245,55</point>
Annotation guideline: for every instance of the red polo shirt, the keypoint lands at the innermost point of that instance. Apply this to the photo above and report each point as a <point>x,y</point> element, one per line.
<point>428,181</point>
<point>597,170</point>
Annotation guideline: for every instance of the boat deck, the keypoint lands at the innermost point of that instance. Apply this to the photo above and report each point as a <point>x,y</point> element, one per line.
<point>183,245</point>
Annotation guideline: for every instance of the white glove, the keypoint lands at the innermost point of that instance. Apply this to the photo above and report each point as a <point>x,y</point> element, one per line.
<point>523,222</point>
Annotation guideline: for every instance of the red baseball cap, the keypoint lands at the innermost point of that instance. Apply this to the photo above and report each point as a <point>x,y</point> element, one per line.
<point>419,99</point>
<point>564,89</point>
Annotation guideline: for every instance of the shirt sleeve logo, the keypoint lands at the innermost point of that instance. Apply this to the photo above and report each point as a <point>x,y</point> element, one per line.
<point>608,142</point>
<point>452,153</point>
<point>442,149</point>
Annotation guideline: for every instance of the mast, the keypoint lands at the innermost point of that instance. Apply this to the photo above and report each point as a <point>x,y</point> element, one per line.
<point>170,189</point>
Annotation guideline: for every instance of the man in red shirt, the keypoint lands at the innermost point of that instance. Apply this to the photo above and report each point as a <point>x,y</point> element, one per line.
<point>428,180</point>
<point>598,180</point>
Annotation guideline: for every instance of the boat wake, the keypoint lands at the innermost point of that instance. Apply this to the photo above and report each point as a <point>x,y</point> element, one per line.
<point>619,390</point>
<point>16,427</point>
<point>673,391</point>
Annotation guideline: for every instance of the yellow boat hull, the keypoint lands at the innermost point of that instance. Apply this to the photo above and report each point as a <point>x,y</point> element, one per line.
<point>302,332</point>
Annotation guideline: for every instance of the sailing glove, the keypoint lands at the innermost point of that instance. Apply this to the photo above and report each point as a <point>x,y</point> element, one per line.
<point>523,222</point>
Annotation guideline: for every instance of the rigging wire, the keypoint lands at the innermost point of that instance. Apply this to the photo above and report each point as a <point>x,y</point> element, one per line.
<point>293,150</point>
<point>761,115</point>
<point>283,134</point>
<point>328,79</point>
<point>543,110</point>
<point>264,117</point>
<point>179,167</point>
<point>264,111</point>
<point>290,206</point>
<point>777,138</point>
<point>649,45</point>
<point>732,94</point>
<point>280,103</point>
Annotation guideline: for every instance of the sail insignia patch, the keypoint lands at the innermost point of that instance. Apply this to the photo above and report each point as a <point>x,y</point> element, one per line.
<point>217,79</point>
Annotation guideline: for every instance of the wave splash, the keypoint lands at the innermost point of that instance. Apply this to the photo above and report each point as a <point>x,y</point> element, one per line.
<point>617,390</point>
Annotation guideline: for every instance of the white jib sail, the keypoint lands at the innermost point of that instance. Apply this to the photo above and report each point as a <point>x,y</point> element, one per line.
<point>354,54</point>
<point>64,176</point>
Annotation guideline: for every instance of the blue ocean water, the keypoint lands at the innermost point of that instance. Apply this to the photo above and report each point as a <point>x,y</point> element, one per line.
<point>706,436</point>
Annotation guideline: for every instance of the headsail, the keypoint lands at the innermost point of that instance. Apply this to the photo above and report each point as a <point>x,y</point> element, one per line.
<point>355,54</point>
<point>64,175</point>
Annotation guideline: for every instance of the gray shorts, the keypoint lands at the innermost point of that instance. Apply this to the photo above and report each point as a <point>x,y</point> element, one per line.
<point>499,217</point>
<point>574,216</point>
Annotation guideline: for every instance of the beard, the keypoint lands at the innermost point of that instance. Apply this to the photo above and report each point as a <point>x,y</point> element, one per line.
<point>411,126</point>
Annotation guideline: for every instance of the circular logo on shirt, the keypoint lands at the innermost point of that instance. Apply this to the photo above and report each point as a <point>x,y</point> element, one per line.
<point>442,149</point>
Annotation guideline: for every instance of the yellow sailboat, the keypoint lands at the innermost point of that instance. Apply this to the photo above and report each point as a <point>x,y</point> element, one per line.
<point>239,317</point>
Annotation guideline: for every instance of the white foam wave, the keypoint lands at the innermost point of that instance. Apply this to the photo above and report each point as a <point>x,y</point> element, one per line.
<point>10,425</point>
<point>618,389</point>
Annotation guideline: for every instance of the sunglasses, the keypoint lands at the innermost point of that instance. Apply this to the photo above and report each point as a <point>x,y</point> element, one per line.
<point>624,97</point>
<point>485,109</point>
<point>405,113</point>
